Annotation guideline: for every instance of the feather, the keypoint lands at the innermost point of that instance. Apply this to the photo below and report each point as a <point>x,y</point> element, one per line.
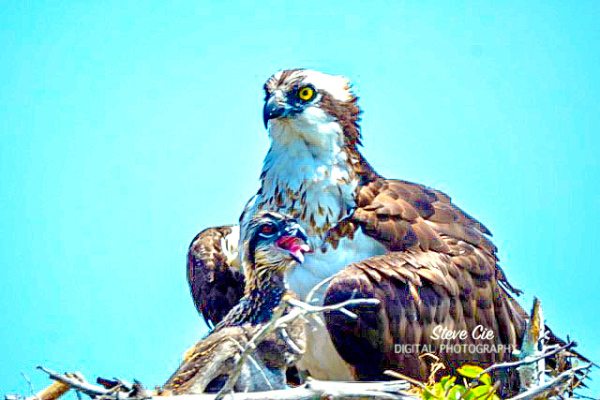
<point>428,294</point>
<point>424,258</point>
<point>214,275</point>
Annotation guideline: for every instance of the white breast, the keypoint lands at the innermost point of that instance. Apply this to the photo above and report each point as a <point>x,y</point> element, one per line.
<point>319,266</point>
<point>321,358</point>
<point>306,174</point>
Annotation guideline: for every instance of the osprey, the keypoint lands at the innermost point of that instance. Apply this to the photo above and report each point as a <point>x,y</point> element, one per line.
<point>428,262</point>
<point>273,243</point>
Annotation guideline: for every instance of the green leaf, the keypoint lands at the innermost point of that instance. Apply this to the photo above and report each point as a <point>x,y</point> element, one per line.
<point>470,371</point>
<point>456,392</point>
<point>447,381</point>
<point>433,392</point>
<point>469,395</point>
<point>438,390</point>
<point>486,379</point>
<point>479,392</point>
<point>427,395</point>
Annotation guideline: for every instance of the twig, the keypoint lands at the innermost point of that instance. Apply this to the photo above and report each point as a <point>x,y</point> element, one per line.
<point>391,390</point>
<point>290,342</point>
<point>535,391</point>
<point>309,299</point>
<point>299,308</point>
<point>398,375</point>
<point>524,362</point>
<point>76,383</point>
<point>253,361</point>
<point>310,309</point>
<point>52,392</point>
<point>31,391</point>
<point>551,384</point>
<point>312,389</point>
<point>311,293</point>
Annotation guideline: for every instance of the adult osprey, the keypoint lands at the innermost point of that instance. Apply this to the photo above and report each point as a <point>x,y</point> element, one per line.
<point>427,261</point>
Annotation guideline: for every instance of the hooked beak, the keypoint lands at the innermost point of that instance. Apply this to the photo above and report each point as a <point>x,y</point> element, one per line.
<point>296,246</point>
<point>275,107</point>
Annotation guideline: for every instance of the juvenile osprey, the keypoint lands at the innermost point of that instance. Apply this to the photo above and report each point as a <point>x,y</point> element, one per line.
<point>273,242</point>
<point>427,261</point>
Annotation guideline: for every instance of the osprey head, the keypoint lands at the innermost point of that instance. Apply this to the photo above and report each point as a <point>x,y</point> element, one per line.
<point>275,241</point>
<point>310,105</point>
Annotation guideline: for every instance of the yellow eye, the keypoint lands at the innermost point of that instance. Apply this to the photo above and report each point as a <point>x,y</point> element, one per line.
<point>306,93</point>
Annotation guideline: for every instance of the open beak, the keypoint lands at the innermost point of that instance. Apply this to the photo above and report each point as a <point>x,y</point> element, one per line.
<point>296,246</point>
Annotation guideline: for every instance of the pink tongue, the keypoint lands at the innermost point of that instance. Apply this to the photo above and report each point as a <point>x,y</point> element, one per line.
<point>293,244</point>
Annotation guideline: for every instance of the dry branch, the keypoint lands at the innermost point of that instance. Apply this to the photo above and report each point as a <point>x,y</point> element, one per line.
<point>299,309</point>
<point>312,389</point>
<point>54,391</point>
<point>543,387</point>
<point>554,386</point>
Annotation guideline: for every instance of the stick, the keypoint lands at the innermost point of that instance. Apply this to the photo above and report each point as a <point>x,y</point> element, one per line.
<point>54,391</point>
<point>552,384</point>
<point>524,362</point>
<point>300,308</point>
<point>309,296</point>
<point>76,383</point>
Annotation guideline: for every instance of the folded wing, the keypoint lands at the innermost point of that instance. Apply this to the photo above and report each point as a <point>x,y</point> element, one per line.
<point>215,278</point>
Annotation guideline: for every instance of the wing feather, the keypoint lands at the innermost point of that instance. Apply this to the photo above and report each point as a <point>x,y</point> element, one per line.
<point>420,290</point>
<point>216,282</point>
<point>421,215</point>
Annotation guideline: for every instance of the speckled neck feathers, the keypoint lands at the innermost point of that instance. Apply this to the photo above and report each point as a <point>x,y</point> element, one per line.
<point>312,183</point>
<point>264,295</point>
<point>313,171</point>
<point>313,168</point>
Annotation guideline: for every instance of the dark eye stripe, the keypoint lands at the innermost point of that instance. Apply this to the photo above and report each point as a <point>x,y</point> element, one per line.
<point>267,230</point>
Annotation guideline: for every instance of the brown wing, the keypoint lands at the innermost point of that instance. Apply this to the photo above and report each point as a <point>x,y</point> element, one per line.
<point>442,270</point>
<point>419,291</point>
<point>215,285</point>
<point>404,215</point>
<point>207,365</point>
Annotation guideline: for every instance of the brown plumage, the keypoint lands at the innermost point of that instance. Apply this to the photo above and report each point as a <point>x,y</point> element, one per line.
<point>214,278</point>
<point>441,270</point>
<point>429,262</point>
<point>274,242</point>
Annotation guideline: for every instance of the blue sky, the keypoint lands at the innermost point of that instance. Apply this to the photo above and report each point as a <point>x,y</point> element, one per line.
<point>126,128</point>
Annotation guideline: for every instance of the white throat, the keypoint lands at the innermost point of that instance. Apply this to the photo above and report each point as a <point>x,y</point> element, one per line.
<point>307,175</point>
<point>312,181</point>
